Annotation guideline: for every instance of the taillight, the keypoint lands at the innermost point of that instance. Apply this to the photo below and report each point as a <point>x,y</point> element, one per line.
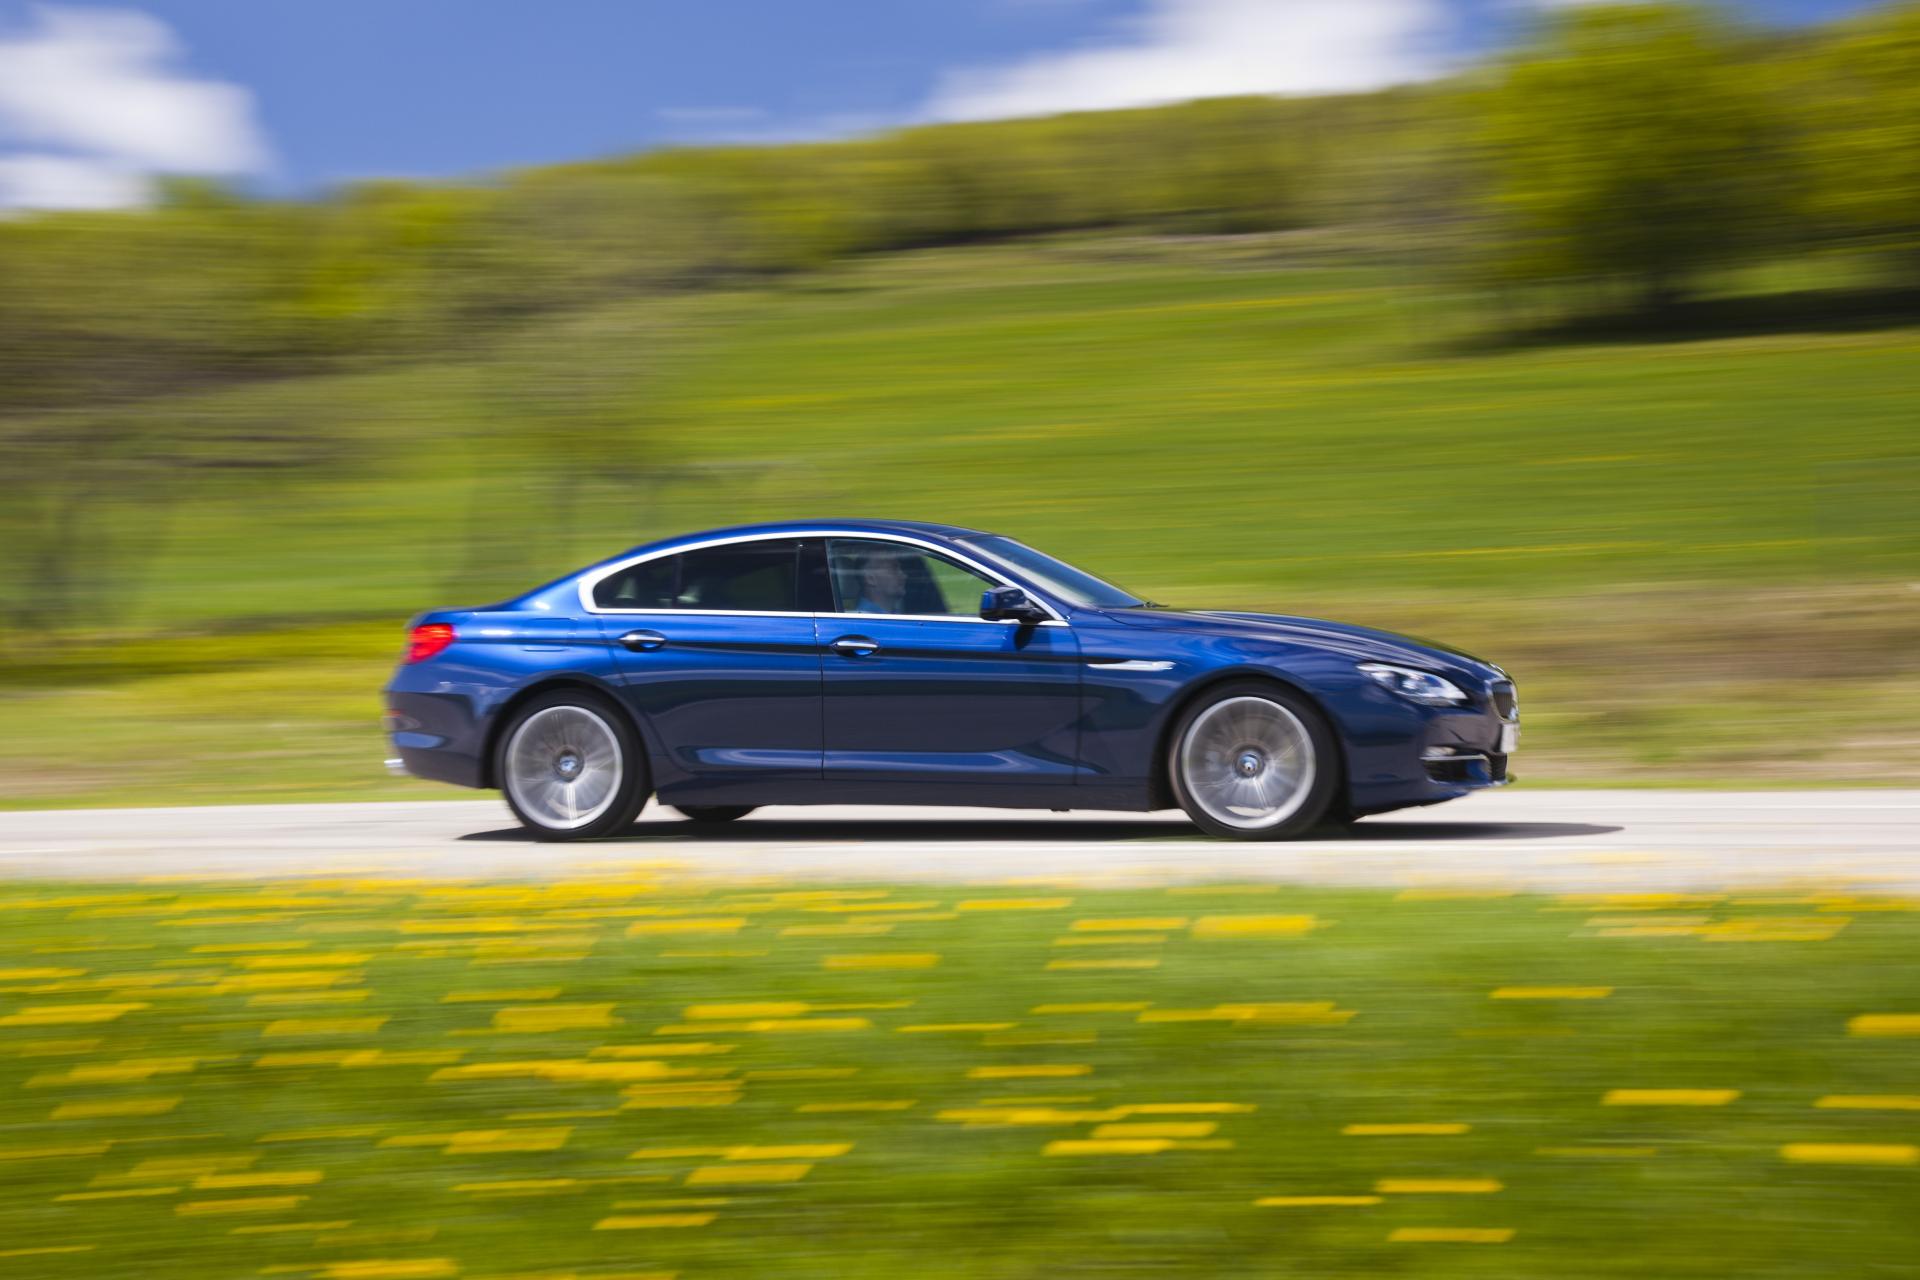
<point>425,641</point>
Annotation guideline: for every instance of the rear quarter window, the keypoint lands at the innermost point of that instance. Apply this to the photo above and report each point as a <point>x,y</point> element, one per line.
<point>648,585</point>
<point>749,577</point>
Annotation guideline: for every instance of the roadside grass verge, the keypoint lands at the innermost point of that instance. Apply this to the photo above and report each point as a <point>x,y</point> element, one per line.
<point>634,1075</point>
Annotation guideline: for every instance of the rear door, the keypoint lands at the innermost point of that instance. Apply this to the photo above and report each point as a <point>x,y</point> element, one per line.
<point>920,689</point>
<point>717,655</point>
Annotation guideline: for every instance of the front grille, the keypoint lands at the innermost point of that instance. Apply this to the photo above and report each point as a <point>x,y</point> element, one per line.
<point>1506,702</point>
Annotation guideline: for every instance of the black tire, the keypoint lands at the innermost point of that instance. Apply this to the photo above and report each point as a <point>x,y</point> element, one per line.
<point>551,722</point>
<point>713,813</point>
<point>1297,738</point>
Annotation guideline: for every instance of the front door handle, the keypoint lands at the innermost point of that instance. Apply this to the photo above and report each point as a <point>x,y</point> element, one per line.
<point>854,646</point>
<point>641,641</point>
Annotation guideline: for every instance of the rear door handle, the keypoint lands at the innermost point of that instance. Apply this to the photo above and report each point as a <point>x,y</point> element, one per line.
<point>640,641</point>
<point>854,646</point>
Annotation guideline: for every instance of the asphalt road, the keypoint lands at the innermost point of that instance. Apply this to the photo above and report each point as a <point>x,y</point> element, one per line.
<point>1520,839</point>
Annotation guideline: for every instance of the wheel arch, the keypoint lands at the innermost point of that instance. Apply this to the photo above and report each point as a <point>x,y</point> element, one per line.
<point>1160,773</point>
<point>503,715</point>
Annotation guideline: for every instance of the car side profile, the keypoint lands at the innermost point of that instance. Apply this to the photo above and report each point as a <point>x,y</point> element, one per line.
<point>892,662</point>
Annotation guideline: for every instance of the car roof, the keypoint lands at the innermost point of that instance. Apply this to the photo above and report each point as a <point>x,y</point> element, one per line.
<point>920,528</point>
<point>875,526</point>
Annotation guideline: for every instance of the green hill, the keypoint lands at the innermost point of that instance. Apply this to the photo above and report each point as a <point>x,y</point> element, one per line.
<point>1698,556</point>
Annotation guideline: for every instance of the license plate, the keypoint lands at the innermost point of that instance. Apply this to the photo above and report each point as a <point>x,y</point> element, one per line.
<point>1509,738</point>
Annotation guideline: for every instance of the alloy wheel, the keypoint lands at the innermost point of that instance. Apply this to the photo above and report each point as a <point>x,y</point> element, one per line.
<point>563,767</point>
<point>1248,762</point>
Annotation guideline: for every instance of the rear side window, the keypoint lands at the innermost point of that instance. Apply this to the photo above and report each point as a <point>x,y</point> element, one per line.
<point>738,577</point>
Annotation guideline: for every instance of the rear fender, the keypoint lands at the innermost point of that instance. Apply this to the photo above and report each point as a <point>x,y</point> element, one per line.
<point>500,716</point>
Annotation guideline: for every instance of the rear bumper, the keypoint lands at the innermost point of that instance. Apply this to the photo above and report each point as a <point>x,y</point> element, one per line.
<point>435,736</point>
<point>440,765</point>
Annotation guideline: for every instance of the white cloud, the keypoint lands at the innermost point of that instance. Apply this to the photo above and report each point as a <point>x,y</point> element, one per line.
<point>30,181</point>
<point>1181,49</point>
<point>92,103</point>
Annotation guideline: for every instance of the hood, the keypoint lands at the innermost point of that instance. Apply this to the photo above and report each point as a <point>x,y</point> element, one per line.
<point>1364,644</point>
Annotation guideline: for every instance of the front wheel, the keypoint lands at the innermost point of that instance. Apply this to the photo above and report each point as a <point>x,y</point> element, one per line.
<point>1254,761</point>
<point>570,767</point>
<point>712,813</point>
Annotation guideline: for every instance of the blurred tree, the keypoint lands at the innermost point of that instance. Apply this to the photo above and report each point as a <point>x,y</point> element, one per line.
<point>90,494</point>
<point>577,235</point>
<point>1629,141</point>
<point>1861,145</point>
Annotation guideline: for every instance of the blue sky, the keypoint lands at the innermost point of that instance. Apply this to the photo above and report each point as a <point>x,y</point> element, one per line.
<point>293,95</point>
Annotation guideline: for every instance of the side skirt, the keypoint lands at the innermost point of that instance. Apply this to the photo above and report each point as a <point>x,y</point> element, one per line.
<point>813,791</point>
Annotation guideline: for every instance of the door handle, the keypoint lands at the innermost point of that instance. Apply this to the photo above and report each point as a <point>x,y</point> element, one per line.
<point>854,646</point>
<point>640,641</point>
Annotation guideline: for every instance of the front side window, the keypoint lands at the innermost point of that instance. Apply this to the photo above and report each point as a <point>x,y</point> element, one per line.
<point>737,577</point>
<point>870,576</point>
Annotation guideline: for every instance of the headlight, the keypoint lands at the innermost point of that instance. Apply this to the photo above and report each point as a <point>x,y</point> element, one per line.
<point>1416,686</point>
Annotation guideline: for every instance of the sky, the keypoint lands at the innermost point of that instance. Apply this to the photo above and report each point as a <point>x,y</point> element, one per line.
<point>290,97</point>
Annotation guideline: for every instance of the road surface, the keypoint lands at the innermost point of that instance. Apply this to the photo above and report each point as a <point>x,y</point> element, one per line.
<point>1520,839</point>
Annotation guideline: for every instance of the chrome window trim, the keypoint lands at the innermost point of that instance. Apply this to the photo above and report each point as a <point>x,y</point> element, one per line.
<point>594,579</point>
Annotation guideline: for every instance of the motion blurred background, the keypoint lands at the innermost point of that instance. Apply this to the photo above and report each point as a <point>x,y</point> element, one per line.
<point>1587,337</point>
<point>1583,336</point>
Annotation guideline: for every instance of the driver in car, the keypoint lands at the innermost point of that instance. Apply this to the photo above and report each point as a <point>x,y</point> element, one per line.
<point>883,583</point>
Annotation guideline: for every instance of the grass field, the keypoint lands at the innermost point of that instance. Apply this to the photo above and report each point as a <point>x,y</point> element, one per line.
<point>630,1075</point>
<point>1699,555</point>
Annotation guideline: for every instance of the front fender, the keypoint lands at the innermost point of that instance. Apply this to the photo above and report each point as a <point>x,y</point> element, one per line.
<point>1130,706</point>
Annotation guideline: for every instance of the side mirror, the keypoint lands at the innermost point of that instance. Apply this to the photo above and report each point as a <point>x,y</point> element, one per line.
<point>1010,604</point>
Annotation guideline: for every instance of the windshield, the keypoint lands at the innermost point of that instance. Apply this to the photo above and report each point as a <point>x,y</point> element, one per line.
<point>1057,577</point>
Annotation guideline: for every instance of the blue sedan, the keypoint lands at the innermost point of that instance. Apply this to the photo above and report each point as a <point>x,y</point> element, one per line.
<point>888,662</point>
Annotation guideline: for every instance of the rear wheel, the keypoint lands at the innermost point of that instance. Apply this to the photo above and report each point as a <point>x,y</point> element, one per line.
<point>570,767</point>
<point>1254,761</point>
<point>711,813</point>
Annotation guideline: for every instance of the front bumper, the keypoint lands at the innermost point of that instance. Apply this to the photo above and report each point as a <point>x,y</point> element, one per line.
<point>1443,753</point>
<point>1450,766</point>
<point>1472,746</point>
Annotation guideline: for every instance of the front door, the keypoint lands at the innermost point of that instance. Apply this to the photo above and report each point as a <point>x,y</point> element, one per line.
<point>919,688</point>
<point>718,657</point>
